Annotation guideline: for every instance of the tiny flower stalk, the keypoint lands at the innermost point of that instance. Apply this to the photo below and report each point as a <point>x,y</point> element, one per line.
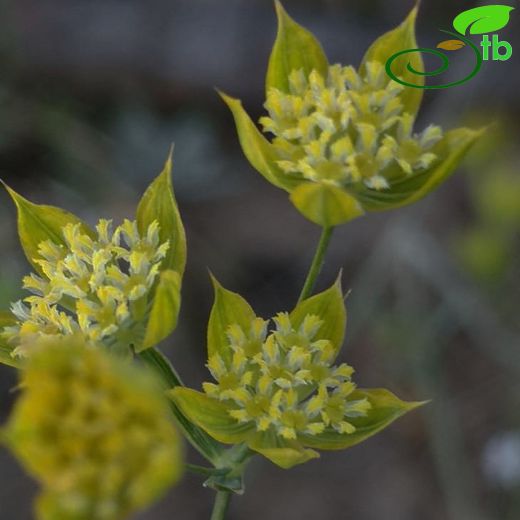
<point>342,141</point>
<point>94,431</point>
<point>277,386</point>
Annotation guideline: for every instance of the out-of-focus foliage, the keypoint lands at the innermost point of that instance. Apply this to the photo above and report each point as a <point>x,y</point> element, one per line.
<point>94,430</point>
<point>489,246</point>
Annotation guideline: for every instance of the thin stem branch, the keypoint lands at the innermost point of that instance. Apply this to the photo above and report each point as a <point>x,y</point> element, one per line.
<point>203,470</point>
<point>221,505</point>
<point>200,440</point>
<point>317,263</point>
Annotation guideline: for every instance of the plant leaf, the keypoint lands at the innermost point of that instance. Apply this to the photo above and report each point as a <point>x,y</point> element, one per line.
<point>281,452</point>
<point>259,151</point>
<point>386,408</point>
<point>294,48</point>
<point>399,39</point>
<point>324,204</point>
<point>451,45</point>
<point>228,308</point>
<point>482,20</point>
<point>37,223</point>
<point>453,148</point>
<point>165,309</point>
<point>158,203</point>
<point>330,307</point>
<point>210,415</point>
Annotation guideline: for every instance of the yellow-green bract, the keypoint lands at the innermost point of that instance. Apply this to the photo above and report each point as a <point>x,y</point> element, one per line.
<point>343,140</point>
<point>94,430</point>
<point>81,283</point>
<point>279,390</point>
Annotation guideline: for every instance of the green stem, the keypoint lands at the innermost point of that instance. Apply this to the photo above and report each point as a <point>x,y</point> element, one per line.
<point>162,367</point>
<point>237,459</point>
<point>317,263</point>
<point>203,470</point>
<point>221,505</point>
<point>200,440</point>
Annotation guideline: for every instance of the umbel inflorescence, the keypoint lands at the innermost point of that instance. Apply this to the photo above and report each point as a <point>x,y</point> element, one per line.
<point>97,285</point>
<point>340,140</point>
<point>279,390</point>
<point>269,377</point>
<point>347,128</point>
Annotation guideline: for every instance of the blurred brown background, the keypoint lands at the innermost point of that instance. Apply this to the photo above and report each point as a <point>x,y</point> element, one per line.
<point>93,92</point>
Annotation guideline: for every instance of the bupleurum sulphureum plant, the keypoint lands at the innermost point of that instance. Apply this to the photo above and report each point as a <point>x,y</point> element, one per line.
<point>101,412</point>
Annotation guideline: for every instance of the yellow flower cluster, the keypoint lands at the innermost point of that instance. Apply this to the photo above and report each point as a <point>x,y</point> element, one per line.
<point>347,128</point>
<point>97,286</point>
<point>270,378</point>
<point>94,430</point>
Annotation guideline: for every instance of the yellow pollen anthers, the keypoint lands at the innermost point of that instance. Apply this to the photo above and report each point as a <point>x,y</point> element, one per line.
<point>271,385</point>
<point>97,286</point>
<point>346,129</point>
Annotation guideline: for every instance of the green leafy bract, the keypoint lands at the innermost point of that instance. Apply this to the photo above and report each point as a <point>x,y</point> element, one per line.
<point>294,48</point>
<point>324,204</point>
<point>386,408</point>
<point>229,308</point>
<point>38,223</point>
<point>329,305</point>
<point>453,148</point>
<point>158,203</point>
<point>210,415</point>
<point>165,309</point>
<point>258,150</point>
<point>401,38</point>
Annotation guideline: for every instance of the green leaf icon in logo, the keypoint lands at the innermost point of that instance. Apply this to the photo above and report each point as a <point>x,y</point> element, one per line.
<point>481,20</point>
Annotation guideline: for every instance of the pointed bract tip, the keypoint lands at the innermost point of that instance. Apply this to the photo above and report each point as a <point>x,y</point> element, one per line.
<point>214,281</point>
<point>412,405</point>
<point>411,18</point>
<point>479,132</point>
<point>337,282</point>
<point>6,186</point>
<point>16,197</point>
<point>282,15</point>
<point>170,151</point>
<point>168,167</point>
<point>280,11</point>
<point>229,100</point>
<point>168,164</point>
